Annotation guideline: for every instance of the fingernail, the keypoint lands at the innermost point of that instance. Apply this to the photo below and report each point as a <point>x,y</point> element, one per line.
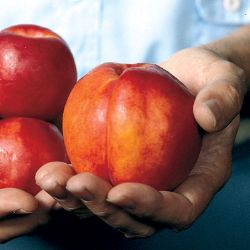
<point>21,211</point>
<point>215,109</point>
<point>87,195</point>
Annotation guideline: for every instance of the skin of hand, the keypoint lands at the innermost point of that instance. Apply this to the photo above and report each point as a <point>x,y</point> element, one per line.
<point>20,212</point>
<point>138,210</point>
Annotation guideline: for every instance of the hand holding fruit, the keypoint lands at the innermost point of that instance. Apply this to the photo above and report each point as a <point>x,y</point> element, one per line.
<point>220,83</point>
<point>126,123</point>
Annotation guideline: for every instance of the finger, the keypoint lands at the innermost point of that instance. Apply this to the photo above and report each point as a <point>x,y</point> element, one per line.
<point>16,201</point>
<point>162,207</point>
<point>13,227</point>
<point>219,85</point>
<point>218,103</point>
<point>46,201</point>
<point>52,178</point>
<point>212,169</point>
<point>93,193</point>
<point>182,207</point>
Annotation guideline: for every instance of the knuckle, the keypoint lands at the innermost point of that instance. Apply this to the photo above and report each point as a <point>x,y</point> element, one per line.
<point>228,66</point>
<point>234,95</point>
<point>236,74</point>
<point>239,72</point>
<point>237,90</point>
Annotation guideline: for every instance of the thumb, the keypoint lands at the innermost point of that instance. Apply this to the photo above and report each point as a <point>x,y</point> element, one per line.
<point>218,103</point>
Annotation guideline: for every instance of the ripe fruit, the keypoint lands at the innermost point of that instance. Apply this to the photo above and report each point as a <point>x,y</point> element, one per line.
<point>37,72</point>
<point>132,123</point>
<point>25,145</point>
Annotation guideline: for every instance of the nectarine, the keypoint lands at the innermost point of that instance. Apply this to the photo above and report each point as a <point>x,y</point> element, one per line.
<point>37,72</point>
<point>132,123</point>
<point>25,145</point>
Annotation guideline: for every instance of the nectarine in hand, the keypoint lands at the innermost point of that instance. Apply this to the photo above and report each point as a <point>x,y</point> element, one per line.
<point>132,123</point>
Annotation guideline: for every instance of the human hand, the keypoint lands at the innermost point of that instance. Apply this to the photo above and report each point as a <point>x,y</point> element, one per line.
<point>20,212</point>
<point>138,210</point>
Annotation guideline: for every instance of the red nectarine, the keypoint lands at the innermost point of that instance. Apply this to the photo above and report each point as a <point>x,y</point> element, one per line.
<point>37,72</point>
<point>25,145</point>
<point>132,123</point>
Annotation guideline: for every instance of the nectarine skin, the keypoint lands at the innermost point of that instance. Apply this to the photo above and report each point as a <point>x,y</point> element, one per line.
<point>132,123</point>
<point>25,145</point>
<point>37,72</point>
